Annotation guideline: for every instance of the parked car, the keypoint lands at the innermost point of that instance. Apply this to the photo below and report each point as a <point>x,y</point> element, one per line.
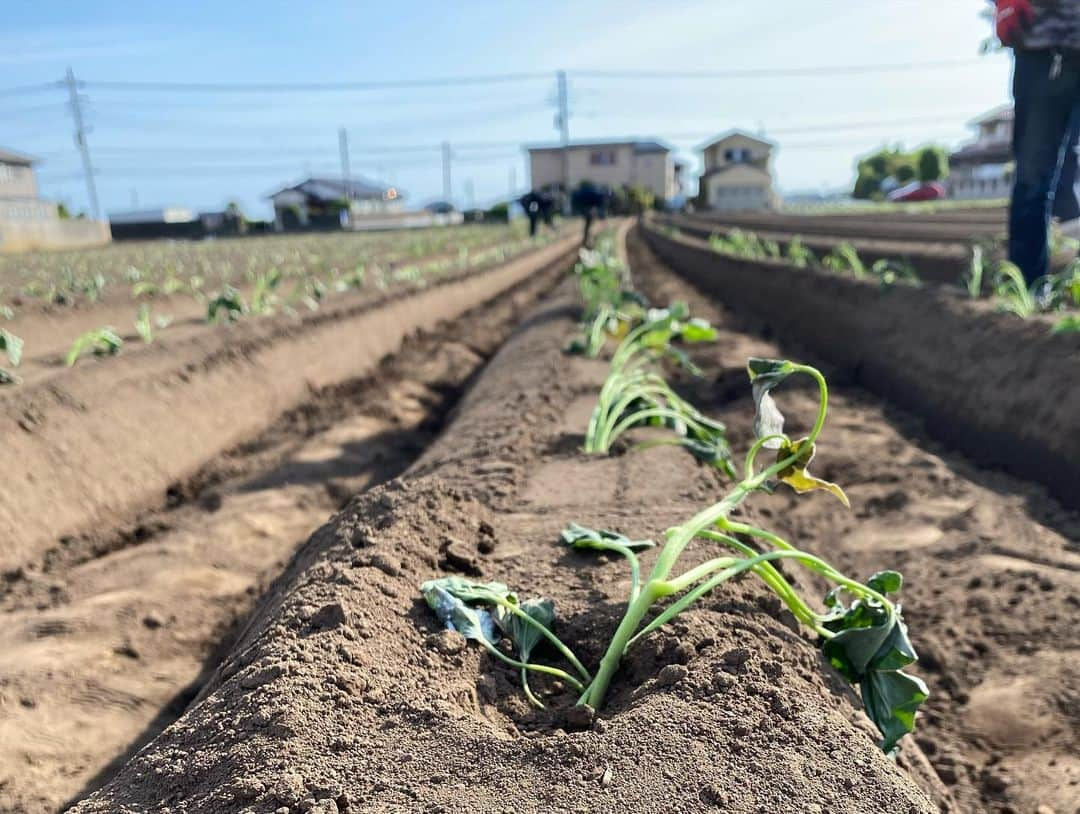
<point>917,191</point>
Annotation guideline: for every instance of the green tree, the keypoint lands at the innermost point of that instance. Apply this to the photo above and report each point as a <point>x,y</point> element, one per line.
<point>933,163</point>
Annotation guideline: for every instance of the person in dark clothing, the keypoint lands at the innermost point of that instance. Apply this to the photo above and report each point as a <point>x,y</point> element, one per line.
<point>1045,38</point>
<point>531,203</point>
<point>591,201</point>
<point>539,206</point>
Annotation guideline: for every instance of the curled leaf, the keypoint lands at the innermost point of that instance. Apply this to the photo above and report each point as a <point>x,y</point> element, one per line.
<point>870,648</point>
<point>472,623</point>
<point>766,374</point>
<point>796,475</point>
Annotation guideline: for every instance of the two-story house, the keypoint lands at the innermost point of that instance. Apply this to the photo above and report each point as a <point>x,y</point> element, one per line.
<point>30,222</point>
<point>737,174</point>
<point>984,168</point>
<point>19,201</point>
<point>613,164</point>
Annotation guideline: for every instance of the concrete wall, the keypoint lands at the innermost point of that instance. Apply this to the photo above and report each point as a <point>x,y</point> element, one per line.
<point>19,236</point>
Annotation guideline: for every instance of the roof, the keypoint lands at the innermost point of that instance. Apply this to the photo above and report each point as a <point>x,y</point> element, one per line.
<point>732,134</point>
<point>334,189</point>
<point>723,168</point>
<point>640,146</point>
<point>168,214</point>
<point>1002,113</point>
<point>982,154</point>
<point>12,157</point>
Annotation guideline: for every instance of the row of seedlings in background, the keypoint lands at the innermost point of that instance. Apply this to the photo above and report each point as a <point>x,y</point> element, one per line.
<point>841,259</point>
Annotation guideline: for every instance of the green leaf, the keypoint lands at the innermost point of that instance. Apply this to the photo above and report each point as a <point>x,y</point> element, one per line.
<point>886,582</point>
<point>869,649</point>
<point>582,537</point>
<point>455,614</point>
<point>525,636</point>
<point>7,377</point>
<point>102,342</point>
<point>698,330</point>
<point>798,478</point>
<point>766,374</point>
<point>467,590</point>
<point>891,699</point>
<point>12,346</point>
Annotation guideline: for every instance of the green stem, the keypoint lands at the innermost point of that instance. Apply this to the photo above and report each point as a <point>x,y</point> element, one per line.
<point>536,702</point>
<point>543,630</point>
<point>538,668</point>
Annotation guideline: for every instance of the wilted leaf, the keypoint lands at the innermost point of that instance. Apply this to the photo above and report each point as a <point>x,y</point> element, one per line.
<point>525,636</point>
<point>455,614</point>
<point>577,536</point>
<point>796,475</point>
<point>765,374</point>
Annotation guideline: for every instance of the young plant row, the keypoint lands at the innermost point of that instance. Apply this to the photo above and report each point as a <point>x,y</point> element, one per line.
<point>269,292</point>
<point>858,624</point>
<point>1058,292</point>
<point>842,259</point>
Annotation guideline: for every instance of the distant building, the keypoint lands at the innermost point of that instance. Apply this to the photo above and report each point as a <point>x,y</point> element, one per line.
<point>30,222</point>
<point>984,168</point>
<point>333,203</point>
<point>606,163</point>
<point>738,173</point>
<point>147,224</point>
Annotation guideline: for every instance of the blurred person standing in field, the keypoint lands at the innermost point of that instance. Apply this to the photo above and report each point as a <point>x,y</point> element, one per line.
<point>1045,38</point>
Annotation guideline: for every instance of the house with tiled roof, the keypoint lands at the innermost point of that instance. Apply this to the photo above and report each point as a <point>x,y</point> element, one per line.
<point>329,203</point>
<point>984,168</point>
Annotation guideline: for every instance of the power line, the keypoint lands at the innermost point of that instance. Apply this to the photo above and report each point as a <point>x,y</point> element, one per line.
<point>25,89</point>
<point>753,73</point>
<point>311,87</point>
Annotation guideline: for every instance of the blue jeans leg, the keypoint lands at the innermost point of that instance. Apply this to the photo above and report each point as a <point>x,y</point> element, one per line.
<point>1047,111</point>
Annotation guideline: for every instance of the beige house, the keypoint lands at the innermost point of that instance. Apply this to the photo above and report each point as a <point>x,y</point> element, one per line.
<point>613,164</point>
<point>29,222</point>
<point>738,173</point>
<point>984,168</point>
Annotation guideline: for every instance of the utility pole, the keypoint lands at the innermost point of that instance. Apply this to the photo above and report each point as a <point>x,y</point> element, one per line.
<point>447,189</point>
<point>563,121</point>
<point>80,142</point>
<point>343,147</point>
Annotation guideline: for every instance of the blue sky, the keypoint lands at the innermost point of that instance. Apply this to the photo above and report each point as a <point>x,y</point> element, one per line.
<point>200,150</point>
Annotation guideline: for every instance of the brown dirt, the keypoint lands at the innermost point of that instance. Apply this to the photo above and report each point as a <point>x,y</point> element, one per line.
<point>106,440</point>
<point>884,226</point>
<point>992,572</point>
<point>1001,389</point>
<point>343,695</point>
<point>105,646</point>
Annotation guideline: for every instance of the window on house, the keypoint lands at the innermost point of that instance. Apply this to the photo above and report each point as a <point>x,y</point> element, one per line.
<point>7,172</point>
<point>602,158</point>
<point>737,155</point>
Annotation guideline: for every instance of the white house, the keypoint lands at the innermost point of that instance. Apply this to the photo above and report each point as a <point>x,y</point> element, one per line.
<point>737,174</point>
<point>984,168</point>
<point>606,163</point>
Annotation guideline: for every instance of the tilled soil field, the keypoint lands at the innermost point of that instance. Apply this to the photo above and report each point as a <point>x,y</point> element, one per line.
<point>341,694</point>
<point>108,637</point>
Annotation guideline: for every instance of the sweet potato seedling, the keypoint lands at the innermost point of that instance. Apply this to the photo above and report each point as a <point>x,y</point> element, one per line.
<point>12,346</point>
<point>143,326</point>
<point>864,638</point>
<point>101,342</point>
<point>635,396</point>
